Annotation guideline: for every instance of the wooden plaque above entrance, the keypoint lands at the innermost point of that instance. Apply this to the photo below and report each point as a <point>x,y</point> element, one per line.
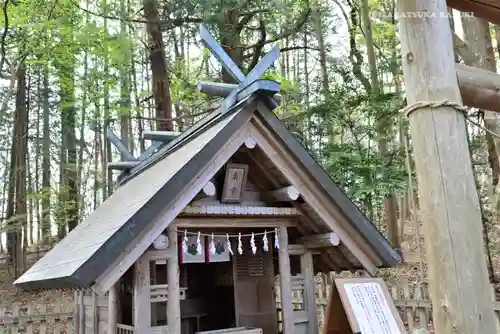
<point>235,179</point>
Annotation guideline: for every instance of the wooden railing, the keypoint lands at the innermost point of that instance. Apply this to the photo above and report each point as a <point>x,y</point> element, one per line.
<point>124,329</point>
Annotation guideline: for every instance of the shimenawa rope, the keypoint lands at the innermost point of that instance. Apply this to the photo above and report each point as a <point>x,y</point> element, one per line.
<point>408,110</point>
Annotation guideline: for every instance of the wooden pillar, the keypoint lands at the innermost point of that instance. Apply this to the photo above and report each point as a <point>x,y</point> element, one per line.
<point>80,312</point>
<point>173,303</point>
<point>285,282</point>
<point>113,300</point>
<point>142,292</point>
<point>307,269</point>
<point>458,275</point>
<point>95,314</point>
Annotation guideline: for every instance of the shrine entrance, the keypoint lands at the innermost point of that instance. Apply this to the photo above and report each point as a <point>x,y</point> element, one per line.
<point>224,291</point>
<point>209,302</point>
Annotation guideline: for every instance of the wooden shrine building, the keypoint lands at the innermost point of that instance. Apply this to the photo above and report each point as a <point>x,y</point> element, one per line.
<point>200,226</point>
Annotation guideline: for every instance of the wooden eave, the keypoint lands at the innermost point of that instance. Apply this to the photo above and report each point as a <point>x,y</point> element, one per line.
<point>488,10</point>
<point>346,213</point>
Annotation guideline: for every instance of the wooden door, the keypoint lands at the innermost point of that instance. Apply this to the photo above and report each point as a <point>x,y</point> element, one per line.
<point>254,298</point>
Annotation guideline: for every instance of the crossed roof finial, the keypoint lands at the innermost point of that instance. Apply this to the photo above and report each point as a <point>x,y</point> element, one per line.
<point>246,84</point>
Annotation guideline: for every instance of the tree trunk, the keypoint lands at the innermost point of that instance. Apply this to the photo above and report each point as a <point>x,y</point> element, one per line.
<point>69,154</point>
<point>316,15</point>
<point>477,36</point>
<point>231,41</point>
<point>46,157</point>
<point>38,154</point>
<point>17,208</point>
<point>138,108</point>
<point>383,126</point>
<point>124,84</point>
<point>449,203</point>
<point>159,68</point>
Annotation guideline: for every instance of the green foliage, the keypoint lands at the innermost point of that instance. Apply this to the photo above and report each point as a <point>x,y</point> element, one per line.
<point>348,145</point>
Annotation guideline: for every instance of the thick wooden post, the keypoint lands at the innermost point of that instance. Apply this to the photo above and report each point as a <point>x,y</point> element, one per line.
<point>173,293</point>
<point>113,308</point>
<point>449,202</point>
<point>142,294</point>
<point>307,269</point>
<point>285,282</point>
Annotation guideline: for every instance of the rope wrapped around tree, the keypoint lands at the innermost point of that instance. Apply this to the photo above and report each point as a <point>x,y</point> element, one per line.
<point>408,110</point>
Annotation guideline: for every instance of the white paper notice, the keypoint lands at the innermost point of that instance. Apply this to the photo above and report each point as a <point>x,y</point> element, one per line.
<point>371,309</point>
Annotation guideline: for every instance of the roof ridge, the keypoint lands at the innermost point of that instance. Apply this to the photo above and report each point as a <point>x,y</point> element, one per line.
<point>185,137</point>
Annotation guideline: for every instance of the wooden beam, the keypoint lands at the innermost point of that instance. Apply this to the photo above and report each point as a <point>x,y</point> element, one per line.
<point>216,88</point>
<point>300,250</point>
<point>222,89</point>
<point>483,9</point>
<point>159,254</point>
<point>307,270</point>
<point>236,210</point>
<point>463,50</point>
<point>285,194</point>
<point>320,240</point>
<point>208,190</point>
<point>113,302</point>
<point>479,88</point>
<point>120,146</point>
<point>122,165</point>
<point>250,143</point>
<point>173,289</point>
<point>163,136</point>
<point>142,305</point>
<point>235,222</point>
<point>296,249</point>
<point>458,276</point>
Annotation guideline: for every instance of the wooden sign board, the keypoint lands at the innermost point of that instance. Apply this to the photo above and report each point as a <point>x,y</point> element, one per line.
<point>235,180</point>
<point>362,306</point>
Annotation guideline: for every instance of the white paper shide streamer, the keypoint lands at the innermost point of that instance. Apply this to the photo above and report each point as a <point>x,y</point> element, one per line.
<point>228,244</point>
<point>240,244</point>
<point>199,250</point>
<point>212,245</point>
<point>252,243</point>
<point>265,242</point>
<point>184,242</point>
<point>186,247</point>
<point>276,239</point>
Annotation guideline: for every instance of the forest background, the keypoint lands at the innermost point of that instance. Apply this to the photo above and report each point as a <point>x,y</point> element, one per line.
<point>70,69</point>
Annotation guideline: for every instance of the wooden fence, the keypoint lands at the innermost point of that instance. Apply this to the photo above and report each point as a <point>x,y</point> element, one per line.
<point>36,317</point>
<point>412,301</point>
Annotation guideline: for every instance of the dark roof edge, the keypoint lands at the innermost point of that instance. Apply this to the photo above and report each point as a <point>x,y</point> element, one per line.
<point>67,282</point>
<point>167,193</point>
<point>372,235</point>
<point>85,276</point>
